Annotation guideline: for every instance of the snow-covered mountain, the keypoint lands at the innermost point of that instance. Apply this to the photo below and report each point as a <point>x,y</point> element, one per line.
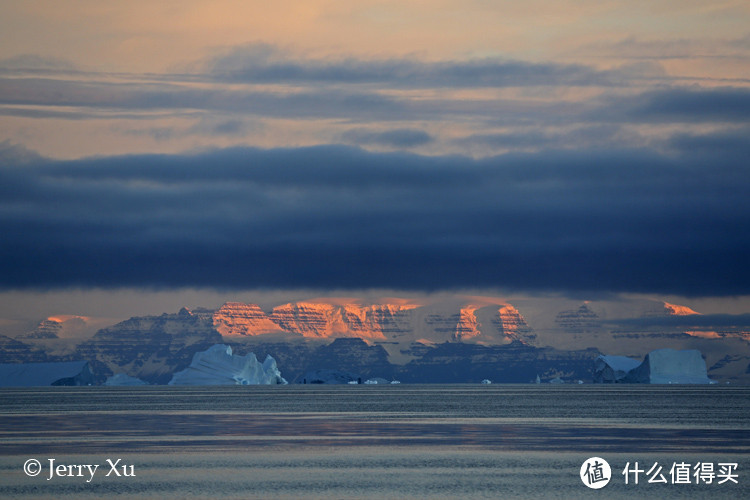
<point>470,319</point>
<point>236,318</point>
<point>66,326</point>
<point>150,347</point>
<point>408,338</point>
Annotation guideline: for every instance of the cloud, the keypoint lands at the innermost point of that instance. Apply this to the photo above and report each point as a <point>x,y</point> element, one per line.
<point>334,216</point>
<point>205,126</point>
<point>720,143</point>
<point>673,48</point>
<point>41,98</point>
<point>161,96</point>
<point>398,138</point>
<point>678,105</point>
<point>687,321</point>
<point>34,63</point>
<point>529,138</point>
<point>263,63</point>
<point>14,154</point>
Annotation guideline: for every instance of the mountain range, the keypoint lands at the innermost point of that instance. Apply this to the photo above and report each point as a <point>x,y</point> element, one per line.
<point>453,339</point>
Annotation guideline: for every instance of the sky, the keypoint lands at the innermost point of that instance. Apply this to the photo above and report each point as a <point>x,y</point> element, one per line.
<point>200,150</point>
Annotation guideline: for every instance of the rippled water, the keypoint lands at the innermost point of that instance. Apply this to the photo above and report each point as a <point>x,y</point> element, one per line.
<point>403,441</point>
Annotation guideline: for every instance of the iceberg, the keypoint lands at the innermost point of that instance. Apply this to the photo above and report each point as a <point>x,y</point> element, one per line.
<point>218,366</point>
<point>121,379</point>
<point>613,369</point>
<point>376,380</point>
<point>669,366</point>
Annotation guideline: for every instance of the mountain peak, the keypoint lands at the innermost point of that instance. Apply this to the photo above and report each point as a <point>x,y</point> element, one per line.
<point>677,310</point>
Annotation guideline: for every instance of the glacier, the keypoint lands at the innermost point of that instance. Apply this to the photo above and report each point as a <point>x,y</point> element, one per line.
<point>218,366</point>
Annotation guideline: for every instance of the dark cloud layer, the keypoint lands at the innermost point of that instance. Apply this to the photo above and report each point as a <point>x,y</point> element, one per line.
<point>680,105</point>
<point>688,321</point>
<point>262,63</point>
<point>50,98</point>
<point>397,138</point>
<point>334,216</point>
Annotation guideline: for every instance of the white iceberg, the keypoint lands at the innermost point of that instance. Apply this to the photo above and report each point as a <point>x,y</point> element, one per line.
<point>669,366</point>
<point>613,369</point>
<point>122,379</point>
<point>376,380</point>
<point>218,366</point>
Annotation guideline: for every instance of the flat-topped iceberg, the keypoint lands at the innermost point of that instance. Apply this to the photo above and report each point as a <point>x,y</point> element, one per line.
<point>218,366</point>
<point>668,366</point>
<point>663,366</point>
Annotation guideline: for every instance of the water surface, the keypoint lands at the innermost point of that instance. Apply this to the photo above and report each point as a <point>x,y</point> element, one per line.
<point>400,441</point>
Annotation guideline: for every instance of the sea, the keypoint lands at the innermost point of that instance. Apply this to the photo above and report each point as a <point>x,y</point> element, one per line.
<point>395,441</point>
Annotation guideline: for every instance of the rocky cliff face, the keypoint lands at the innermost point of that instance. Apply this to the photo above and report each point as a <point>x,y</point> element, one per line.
<point>514,326</point>
<point>510,363</point>
<point>324,320</point>
<point>14,351</point>
<point>236,318</point>
<point>580,321</point>
<point>296,358</point>
<point>396,322</point>
<point>151,347</point>
<point>314,320</point>
<point>440,340</point>
<point>467,326</point>
<point>47,329</point>
<point>58,327</point>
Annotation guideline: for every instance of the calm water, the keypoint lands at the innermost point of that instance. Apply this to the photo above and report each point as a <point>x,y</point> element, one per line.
<point>402,441</point>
